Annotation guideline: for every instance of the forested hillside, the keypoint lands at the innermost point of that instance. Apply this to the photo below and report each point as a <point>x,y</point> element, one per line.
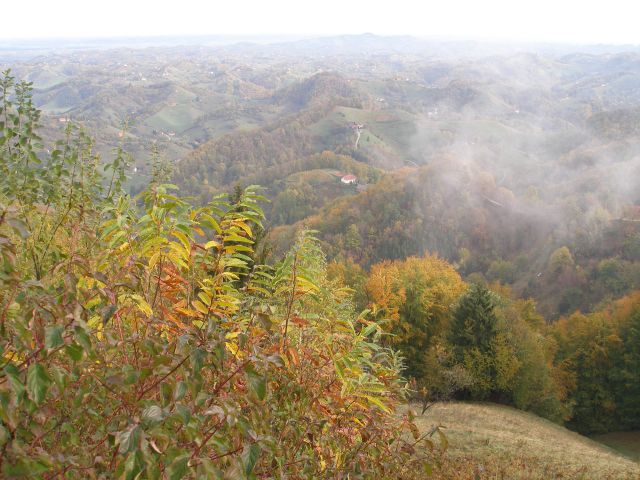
<point>488,232</point>
<point>243,261</point>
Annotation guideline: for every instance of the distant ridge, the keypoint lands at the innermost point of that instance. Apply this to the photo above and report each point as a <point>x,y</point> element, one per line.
<point>351,44</point>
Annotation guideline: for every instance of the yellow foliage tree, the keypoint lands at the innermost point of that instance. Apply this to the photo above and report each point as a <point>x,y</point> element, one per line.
<point>415,297</point>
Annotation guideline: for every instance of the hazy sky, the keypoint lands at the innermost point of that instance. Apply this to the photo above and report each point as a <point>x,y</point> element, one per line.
<point>573,21</point>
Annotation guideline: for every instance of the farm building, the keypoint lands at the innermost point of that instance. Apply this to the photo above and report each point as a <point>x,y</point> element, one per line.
<point>349,179</point>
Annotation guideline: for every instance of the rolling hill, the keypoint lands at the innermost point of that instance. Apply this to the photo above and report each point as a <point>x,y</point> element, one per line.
<point>533,150</point>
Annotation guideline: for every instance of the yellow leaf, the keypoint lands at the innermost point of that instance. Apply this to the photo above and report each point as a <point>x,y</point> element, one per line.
<point>183,239</point>
<point>232,347</point>
<point>244,227</point>
<point>92,303</point>
<point>199,306</point>
<point>210,244</point>
<point>212,222</point>
<point>338,459</point>
<point>154,259</point>
<point>142,305</point>
<point>198,323</point>
<point>377,402</point>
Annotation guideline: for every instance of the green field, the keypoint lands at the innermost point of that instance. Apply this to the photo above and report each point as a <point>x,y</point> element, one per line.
<point>385,130</point>
<point>317,176</point>
<point>47,78</point>
<point>177,119</point>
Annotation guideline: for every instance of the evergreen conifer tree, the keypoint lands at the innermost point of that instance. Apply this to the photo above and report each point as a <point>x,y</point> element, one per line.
<point>474,321</point>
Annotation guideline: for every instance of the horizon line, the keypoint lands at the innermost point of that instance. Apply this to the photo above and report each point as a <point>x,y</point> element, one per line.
<point>309,36</point>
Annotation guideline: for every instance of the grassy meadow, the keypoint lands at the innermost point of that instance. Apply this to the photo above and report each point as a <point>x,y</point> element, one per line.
<point>488,441</point>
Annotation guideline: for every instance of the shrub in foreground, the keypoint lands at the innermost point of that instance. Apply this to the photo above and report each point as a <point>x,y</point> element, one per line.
<point>139,338</point>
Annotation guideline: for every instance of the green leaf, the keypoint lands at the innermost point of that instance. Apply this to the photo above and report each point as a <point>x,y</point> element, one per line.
<point>83,338</point>
<point>153,414</point>
<point>128,439</point>
<point>19,227</point>
<point>27,468</point>
<point>74,351</point>
<point>197,358</point>
<point>107,313</point>
<point>237,238</point>
<point>212,222</point>
<point>369,330</point>
<point>59,376</point>
<point>133,466</point>
<point>178,468</point>
<point>377,402</point>
<point>180,391</point>
<point>38,382</point>
<point>13,374</point>
<point>183,413</point>
<point>250,456</point>
<point>53,336</point>
<point>257,383</point>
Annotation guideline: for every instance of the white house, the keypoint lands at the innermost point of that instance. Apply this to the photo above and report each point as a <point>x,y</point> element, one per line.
<point>349,179</point>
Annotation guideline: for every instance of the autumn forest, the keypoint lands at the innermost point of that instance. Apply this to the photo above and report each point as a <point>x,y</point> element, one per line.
<point>295,260</point>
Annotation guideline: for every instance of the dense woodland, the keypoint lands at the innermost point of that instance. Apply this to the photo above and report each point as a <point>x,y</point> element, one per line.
<point>223,306</point>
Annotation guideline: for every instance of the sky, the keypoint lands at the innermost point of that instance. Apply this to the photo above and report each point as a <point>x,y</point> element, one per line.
<point>558,21</point>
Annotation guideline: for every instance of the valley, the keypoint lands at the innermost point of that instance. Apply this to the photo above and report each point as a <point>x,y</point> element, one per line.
<point>528,133</point>
<point>245,259</point>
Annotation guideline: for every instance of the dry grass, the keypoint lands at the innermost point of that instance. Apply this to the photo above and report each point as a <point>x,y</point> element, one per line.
<point>489,441</point>
<point>626,442</point>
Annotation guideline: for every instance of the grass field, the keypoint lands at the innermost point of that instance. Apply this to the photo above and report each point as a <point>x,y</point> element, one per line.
<point>46,77</point>
<point>387,133</point>
<point>318,176</point>
<point>176,118</point>
<point>488,441</point>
